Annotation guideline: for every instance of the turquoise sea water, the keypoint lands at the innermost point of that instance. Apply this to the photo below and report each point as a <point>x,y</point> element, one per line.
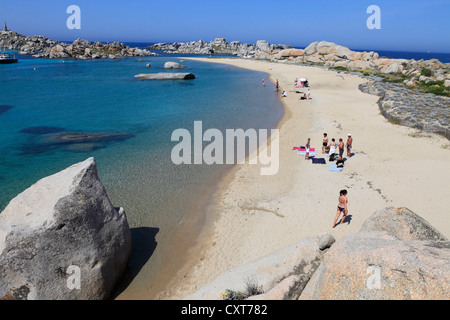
<point>43,98</point>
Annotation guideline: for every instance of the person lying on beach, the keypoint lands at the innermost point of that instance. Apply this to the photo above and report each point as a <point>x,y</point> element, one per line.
<point>324,143</point>
<point>349,145</point>
<point>341,207</point>
<point>303,97</point>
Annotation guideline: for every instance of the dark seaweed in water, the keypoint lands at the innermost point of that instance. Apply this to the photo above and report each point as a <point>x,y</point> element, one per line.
<point>71,141</point>
<point>41,130</point>
<point>4,108</point>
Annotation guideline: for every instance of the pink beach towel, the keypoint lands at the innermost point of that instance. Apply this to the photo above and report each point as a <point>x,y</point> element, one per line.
<point>304,149</point>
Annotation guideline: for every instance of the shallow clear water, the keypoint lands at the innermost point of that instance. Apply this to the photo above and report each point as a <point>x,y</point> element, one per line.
<point>44,98</point>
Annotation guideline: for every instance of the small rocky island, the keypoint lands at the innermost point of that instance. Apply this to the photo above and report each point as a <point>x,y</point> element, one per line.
<point>42,47</point>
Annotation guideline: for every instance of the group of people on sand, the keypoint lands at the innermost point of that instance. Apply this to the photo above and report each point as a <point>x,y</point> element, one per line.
<point>305,96</point>
<point>330,148</point>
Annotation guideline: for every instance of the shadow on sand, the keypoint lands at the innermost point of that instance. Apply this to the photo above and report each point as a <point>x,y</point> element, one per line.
<point>143,244</point>
<point>347,219</point>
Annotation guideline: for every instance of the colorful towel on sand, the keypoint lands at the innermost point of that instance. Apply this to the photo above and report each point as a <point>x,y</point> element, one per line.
<point>303,153</point>
<point>333,167</point>
<point>302,148</point>
<point>319,160</point>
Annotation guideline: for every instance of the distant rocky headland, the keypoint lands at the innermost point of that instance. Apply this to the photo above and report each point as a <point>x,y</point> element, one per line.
<point>42,47</point>
<point>221,46</point>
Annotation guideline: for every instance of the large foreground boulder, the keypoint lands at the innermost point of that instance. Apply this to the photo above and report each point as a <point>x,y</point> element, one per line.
<point>63,239</point>
<point>402,223</point>
<point>396,255</point>
<point>165,76</point>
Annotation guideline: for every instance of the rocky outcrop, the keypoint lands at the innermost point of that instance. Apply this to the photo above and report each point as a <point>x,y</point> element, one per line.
<point>165,76</point>
<point>61,232</point>
<point>402,105</point>
<point>402,223</point>
<point>262,49</point>
<point>332,55</point>
<point>395,255</point>
<point>42,47</point>
<point>378,265</point>
<point>295,263</point>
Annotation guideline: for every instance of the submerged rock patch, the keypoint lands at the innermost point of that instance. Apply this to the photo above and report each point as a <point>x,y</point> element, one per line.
<point>71,141</point>
<point>5,108</point>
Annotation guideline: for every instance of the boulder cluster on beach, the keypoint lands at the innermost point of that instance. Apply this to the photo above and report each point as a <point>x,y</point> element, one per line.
<point>395,255</point>
<point>219,46</point>
<point>42,47</point>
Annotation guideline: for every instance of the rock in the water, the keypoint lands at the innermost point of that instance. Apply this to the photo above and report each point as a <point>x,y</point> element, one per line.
<point>173,65</point>
<point>165,76</point>
<point>62,231</point>
<point>402,223</point>
<point>4,108</point>
<point>377,265</point>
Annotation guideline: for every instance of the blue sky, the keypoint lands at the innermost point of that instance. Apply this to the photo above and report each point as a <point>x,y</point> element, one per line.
<point>405,25</point>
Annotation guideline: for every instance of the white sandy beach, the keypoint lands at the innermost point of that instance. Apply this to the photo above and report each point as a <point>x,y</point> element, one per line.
<point>256,215</point>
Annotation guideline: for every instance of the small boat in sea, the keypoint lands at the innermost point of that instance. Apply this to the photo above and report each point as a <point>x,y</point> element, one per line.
<point>7,58</point>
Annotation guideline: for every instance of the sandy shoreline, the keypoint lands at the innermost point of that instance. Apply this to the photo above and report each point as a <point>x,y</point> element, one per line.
<point>255,215</point>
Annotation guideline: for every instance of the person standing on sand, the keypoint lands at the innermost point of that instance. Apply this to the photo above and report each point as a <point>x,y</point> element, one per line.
<point>308,145</point>
<point>277,86</point>
<point>341,149</point>
<point>324,143</point>
<point>349,145</point>
<point>309,94</point>
<point>341,207</point>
